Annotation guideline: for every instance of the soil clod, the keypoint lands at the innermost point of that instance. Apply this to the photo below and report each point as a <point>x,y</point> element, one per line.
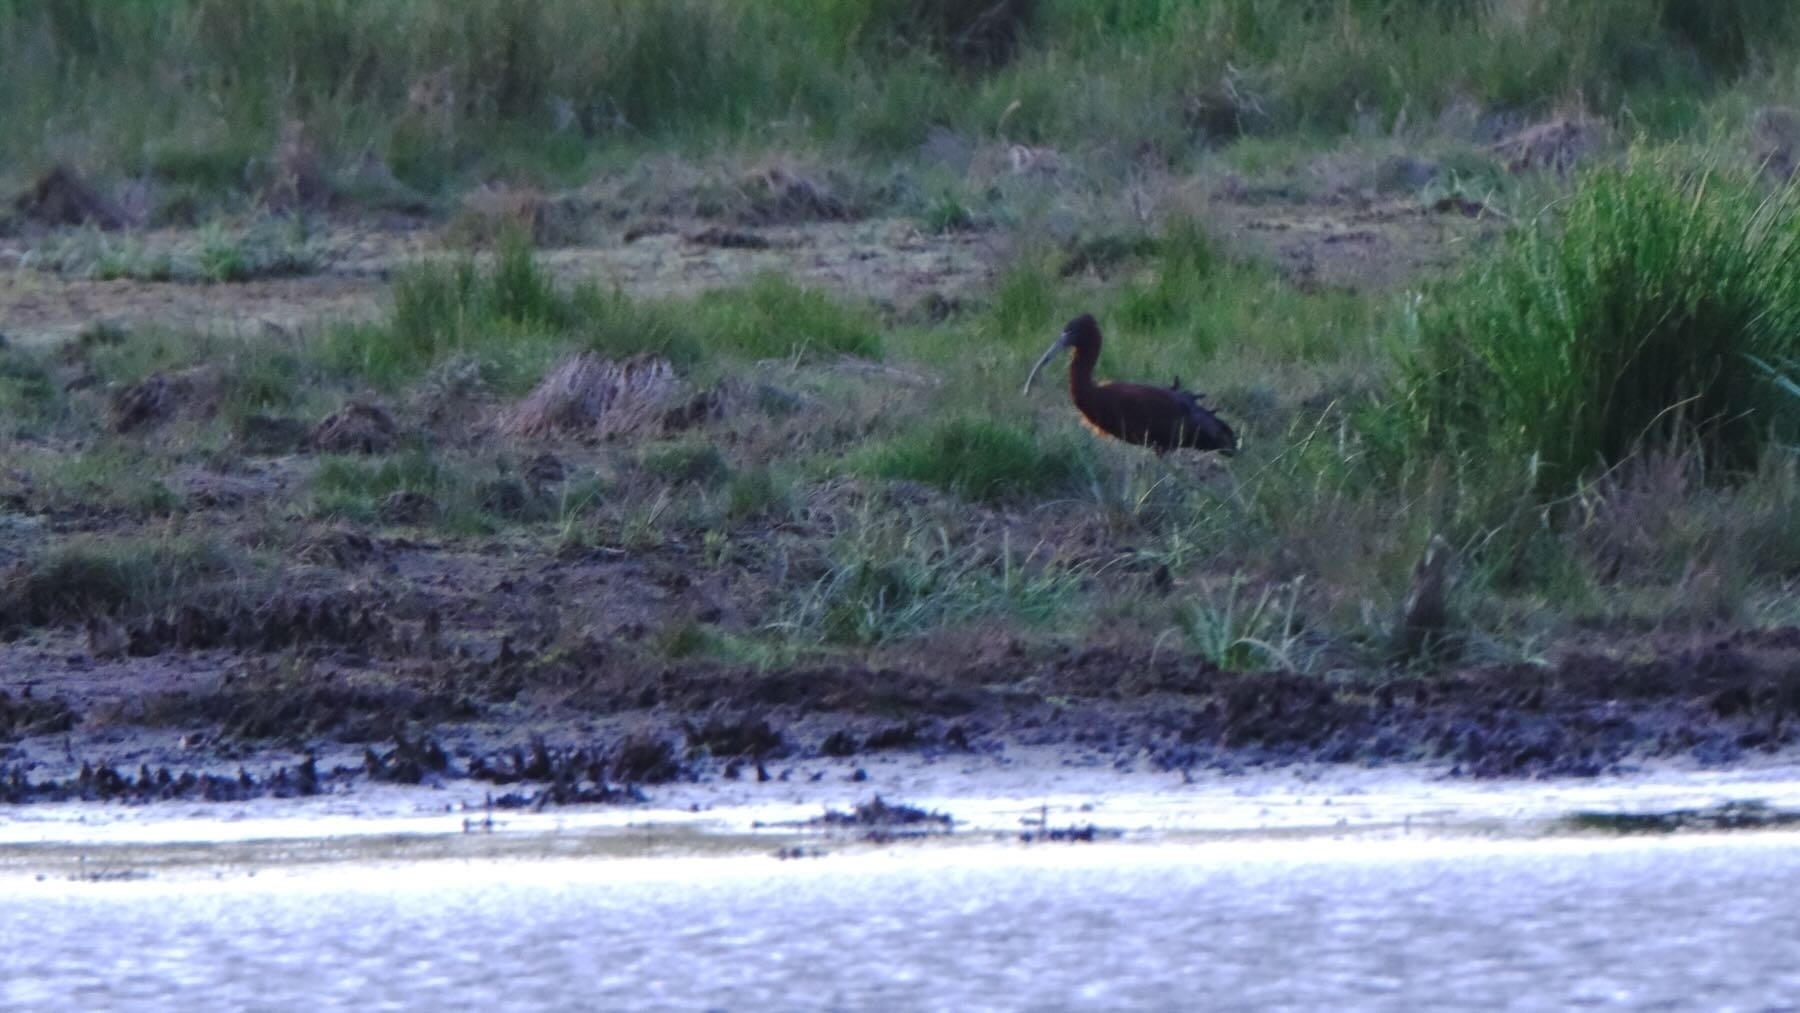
<point>357,428</point>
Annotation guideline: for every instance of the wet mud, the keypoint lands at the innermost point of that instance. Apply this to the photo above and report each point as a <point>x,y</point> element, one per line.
<point>627,730</point>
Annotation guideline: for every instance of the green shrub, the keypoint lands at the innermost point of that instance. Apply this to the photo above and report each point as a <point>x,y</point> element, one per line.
<point>1626,323</point>
<point>510,315</point>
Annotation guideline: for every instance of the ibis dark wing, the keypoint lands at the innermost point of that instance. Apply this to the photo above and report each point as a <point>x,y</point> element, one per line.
<point>1201,429</point>
<point>1163,418</point>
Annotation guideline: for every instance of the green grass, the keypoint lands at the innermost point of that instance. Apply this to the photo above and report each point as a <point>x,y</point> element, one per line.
<point>1239,630</point>
<point>756,491</point>
<point>111,477</point>
<point>516,321</point>
<point>687,463</point>
<point>358,490</point>
<point>266,249</point>
<point>1624,324</point>
<point>29,399</point>
<point>887,580</point>
<point>979,458</point>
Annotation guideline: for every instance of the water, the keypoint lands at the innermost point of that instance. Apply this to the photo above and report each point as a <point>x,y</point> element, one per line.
<point>1286,893</point>
<point>1702,922</point>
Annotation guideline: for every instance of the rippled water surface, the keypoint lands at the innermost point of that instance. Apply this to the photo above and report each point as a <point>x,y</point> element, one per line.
<point>1397,922</point>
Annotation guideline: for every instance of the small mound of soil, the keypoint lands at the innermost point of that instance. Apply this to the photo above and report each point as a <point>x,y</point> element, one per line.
<point>878,820</point>
<point>1776,140</point>
<point>705,406</point>
<point>546,470</point>
<point>581,775</point>
<point>336,547</point>
<point>509,498</point>
<point>142,404</point>
<point>28,715</point>
<point>356,428</point>
<point>407,763</point>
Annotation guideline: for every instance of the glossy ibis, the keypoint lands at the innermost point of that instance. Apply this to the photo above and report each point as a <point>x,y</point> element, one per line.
<point>1161,418</point>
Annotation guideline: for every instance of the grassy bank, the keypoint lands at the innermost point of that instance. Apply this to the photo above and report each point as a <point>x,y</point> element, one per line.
<point>865,483</point>
<point>1584,392</point>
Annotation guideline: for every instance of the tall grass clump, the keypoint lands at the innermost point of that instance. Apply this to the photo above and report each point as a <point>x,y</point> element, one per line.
<point>502,313</point>
<point>1628,322</point>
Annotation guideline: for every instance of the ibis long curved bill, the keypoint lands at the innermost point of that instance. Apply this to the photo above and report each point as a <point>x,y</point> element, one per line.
<point>1061,343</point>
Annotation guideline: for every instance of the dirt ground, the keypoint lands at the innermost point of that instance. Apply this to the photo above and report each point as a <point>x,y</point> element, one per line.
<point>454,659</point>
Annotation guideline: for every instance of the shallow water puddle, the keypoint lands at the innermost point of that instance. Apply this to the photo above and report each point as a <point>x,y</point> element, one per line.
<point>1022,801</point>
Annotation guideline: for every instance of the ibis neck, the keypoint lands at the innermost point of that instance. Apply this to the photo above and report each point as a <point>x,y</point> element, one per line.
<point>1081,371</point>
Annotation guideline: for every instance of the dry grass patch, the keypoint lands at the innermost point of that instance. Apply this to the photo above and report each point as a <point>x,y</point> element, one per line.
<point>588,395</point>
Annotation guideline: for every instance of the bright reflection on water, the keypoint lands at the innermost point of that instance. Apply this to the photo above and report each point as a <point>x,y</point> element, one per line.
<point>1399,924</point>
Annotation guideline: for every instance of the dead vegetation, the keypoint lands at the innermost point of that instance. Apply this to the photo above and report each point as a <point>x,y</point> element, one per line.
<point>587,396</point>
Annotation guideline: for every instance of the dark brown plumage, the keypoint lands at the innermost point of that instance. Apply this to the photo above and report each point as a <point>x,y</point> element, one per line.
<point>1161,418</point>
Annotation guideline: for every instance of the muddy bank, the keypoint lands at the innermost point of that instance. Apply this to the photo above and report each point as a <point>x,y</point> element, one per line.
<point>626,731</point>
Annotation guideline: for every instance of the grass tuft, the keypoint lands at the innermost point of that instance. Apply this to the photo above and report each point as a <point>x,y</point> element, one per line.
<point>99,576</point>
<point>887,581</point>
